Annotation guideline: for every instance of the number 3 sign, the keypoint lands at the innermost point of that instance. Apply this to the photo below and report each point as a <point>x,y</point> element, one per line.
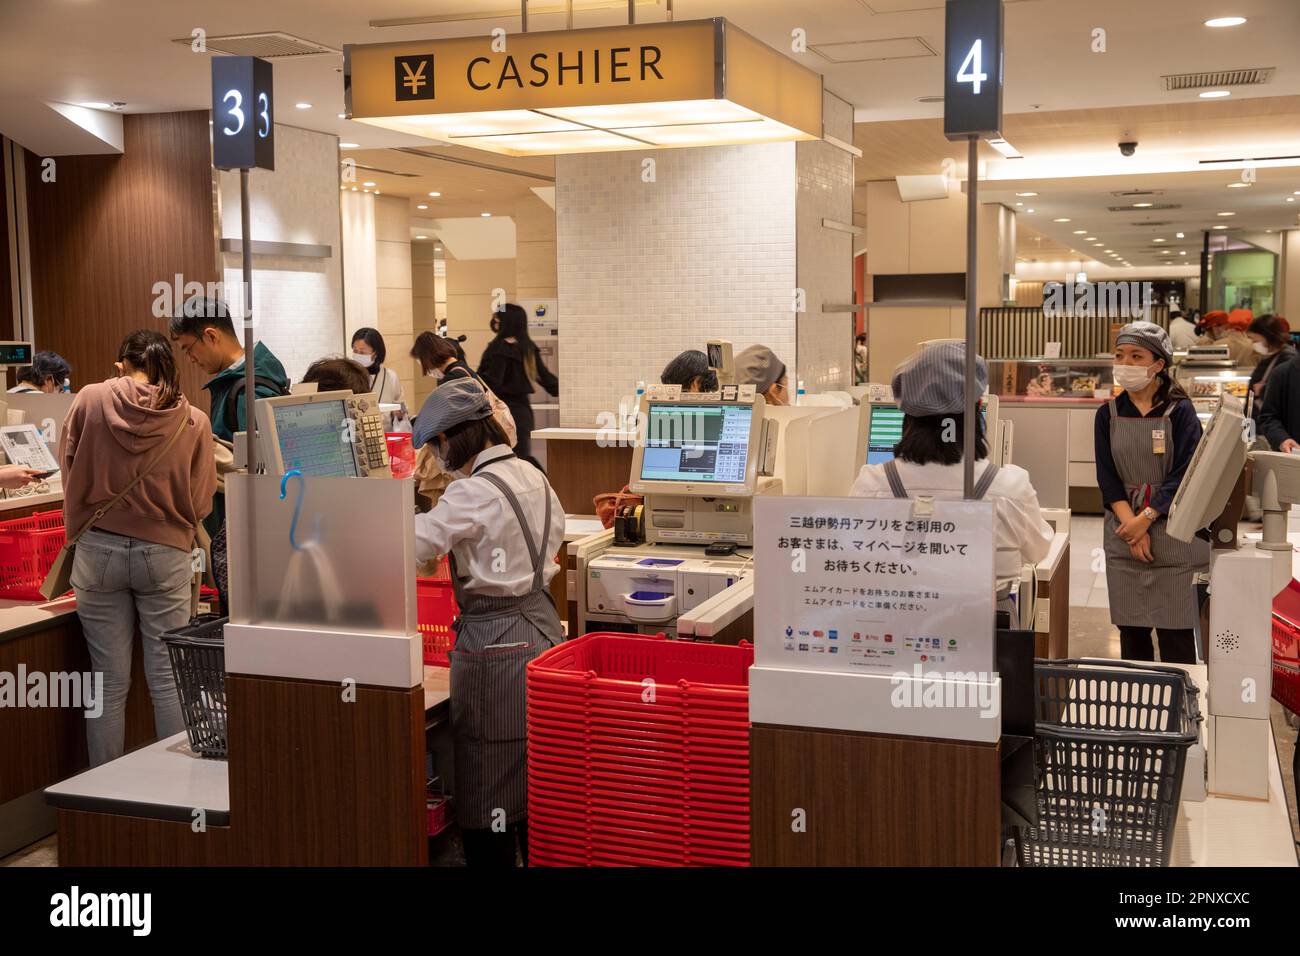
<point>972,93</point>
<point>243,117</point>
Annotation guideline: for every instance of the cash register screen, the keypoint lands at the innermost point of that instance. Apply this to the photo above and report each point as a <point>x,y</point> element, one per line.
<point>311,438</point>
<point>885,432</point>
<point>697,443</point>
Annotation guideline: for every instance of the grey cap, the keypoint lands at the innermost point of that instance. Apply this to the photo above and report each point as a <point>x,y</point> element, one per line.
<point>759,366</point>
<point>1149,336</point>
<point>460,400</point>
<point>933,381</point>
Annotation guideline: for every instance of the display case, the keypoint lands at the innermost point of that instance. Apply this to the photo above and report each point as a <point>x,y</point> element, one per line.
<point>1045,378</point>
<point>1206,385</point>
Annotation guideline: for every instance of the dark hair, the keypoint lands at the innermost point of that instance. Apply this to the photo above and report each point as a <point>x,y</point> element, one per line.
<point>45,365</point>
<point>433,350</point>
<point>150,352</point>
<point>338,375</point>
<point>512,322</point>
<point>690,366</point>
<point>376,341</point>
<point>197,313</point>
<point>467,439</point>
<point>860,337</point>
<point>925,439</point>
<point>1271,330</point>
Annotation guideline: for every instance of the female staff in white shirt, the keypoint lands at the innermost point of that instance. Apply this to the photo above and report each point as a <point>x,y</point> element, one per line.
<point>501,525</point>
<point>369,351</point>
<point>930,389</point>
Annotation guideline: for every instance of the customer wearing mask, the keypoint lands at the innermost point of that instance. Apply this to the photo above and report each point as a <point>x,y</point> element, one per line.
<point>1279,403</point>
<point>1270,337</point>
<point>511,367</point>
<point>49,373</point>
<point>440,358</point>
<point>1182,333</point>
<point>132,567</point>
<point>1145,439</point>
<point>369,351</point>
<point>759,366</point>
<point>691,371</point>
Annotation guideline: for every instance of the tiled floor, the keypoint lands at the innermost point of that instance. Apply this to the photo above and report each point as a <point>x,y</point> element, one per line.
<point>1091,635</point>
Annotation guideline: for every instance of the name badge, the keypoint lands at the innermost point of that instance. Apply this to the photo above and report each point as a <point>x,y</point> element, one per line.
<point>1158,441</point>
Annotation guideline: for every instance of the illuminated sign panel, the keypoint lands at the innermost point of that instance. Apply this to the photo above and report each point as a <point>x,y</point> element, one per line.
<point>243,113</point>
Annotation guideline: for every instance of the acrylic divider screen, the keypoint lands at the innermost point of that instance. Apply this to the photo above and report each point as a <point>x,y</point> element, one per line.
<point>353,566</point>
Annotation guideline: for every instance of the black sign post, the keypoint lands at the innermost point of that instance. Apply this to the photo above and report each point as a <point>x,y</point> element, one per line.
<point>243,138</point>
<point>972,109</point>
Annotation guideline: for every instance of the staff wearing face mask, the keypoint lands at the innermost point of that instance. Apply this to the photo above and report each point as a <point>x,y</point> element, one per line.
<point>502,525</point>
<point>369,351</point>
<point>1144,441</point>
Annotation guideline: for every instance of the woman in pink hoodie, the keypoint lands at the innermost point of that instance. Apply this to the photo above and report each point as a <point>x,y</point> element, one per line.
<point>133,567</point>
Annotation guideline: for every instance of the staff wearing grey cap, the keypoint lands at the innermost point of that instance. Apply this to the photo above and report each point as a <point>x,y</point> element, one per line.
<point>1145,439</point>
<point>501,525</point>
<point>759,366</point>
<point>930,389</point>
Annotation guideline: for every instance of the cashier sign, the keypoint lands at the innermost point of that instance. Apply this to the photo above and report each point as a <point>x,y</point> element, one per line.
<point>864,584</point>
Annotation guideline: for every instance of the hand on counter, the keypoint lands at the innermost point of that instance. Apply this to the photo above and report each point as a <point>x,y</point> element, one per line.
<point>15,476</point>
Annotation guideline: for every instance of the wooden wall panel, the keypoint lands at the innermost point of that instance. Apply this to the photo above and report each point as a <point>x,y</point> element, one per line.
<point>108,228</point>
<point>6,280</point>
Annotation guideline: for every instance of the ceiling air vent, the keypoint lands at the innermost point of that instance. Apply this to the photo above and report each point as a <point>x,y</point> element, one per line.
<point>1126,193</point>
<point>1145,209</point>
<point>268,46</point>
<point>1255,76</point>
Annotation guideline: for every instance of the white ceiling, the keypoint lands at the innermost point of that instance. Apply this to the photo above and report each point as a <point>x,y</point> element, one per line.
<point>104,50</point>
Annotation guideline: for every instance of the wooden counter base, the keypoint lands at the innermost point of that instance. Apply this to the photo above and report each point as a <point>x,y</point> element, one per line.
<point>111,839</point>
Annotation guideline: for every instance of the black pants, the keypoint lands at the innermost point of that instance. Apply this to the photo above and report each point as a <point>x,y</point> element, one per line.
<point>1177,645</point>
<point>522,413</point>
<point>487,848</point>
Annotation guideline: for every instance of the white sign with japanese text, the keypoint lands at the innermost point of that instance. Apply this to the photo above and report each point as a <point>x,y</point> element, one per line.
<point>863,584</point>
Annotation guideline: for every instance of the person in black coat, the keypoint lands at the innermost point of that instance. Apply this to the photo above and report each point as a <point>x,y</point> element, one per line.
<point>511,366</point>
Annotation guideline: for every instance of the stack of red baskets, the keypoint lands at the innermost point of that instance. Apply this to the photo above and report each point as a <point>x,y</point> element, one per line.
<point>435,606</point>
<point>28,546</point>
<point>1286,647</point>
<point>638,753</point>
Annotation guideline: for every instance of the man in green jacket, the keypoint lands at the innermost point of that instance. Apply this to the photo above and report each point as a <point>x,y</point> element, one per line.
<point>205,332</point>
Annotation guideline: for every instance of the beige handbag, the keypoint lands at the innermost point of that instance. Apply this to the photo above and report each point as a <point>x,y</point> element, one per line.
<point>59,579</point>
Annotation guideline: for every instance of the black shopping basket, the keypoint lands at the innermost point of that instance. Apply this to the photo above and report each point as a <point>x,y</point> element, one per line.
<point>198,656</point>
<point>1110,745</point>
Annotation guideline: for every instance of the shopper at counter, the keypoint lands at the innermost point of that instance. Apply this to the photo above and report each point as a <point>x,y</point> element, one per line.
<point>1279,415</point>
<point>440,358</point>
<point>494,504</point>
<point>1182,333</point>
<point>691,371</point>
<point>132,567</point>
<point>1220,330</point>
<point>1270,337</point>
<point>1144,442</point>
<point>338,375</point>
<point>16,476</point>
<point>49,372</point>
<point>930,389</point>
<point>511,366</point>
<point>369,351</point>
<point>759,366</point>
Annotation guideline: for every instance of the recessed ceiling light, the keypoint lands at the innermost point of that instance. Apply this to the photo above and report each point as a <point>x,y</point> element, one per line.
<point>365,190</point>
<point>1179,235</point>
<point>96,106</point>
<point>354,188</point>
<point>1019,204</point>
<point>1080,232</point>
<point>1142,205</point>
<point>1028,210</point>
<point>1182,252</point>
<point>1108,250</point>
<point>422,206</point>
<point>1060,220</point>
<point>376,192</point>
<point>1220,227</point>
<point>485,215</point>
<point>1026,195</point>
<point>1238,185</point>
<point>302,106</point>
<point>1215,94</point>
<point>1227,214</point>
<point>421,237</point>
<point>1290,198</point>
<point>367,184</point>
<point>435,195</point>
<point>1225,21</point>
<point>1089,238</point>
<point>1159,240</point>
<point>348,146</point>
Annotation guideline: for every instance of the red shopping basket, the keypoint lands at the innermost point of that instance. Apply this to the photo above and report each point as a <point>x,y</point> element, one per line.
<point>1286,647</point>
<point>436,610</point>
<point>28,546</point>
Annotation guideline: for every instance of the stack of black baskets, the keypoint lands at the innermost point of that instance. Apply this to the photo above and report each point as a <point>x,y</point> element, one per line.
<point>1110,747</point>
<point>198,656</point>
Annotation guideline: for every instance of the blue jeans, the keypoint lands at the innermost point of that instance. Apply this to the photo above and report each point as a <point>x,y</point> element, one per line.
<point>119,582</point>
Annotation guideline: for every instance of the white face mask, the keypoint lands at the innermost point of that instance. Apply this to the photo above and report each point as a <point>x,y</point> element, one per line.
<point>435,374</point>
<point>363,360</point>
<point>1133,378</point>
<point>1261,348</point>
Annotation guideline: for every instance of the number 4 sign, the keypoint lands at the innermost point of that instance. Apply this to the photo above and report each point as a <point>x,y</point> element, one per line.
<point>243,113</point>
<point>972,101</point>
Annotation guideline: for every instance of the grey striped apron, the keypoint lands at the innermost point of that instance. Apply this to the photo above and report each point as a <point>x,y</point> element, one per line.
<point>1003,594</point>
<point>1157,594</point>
<point>496,637</point>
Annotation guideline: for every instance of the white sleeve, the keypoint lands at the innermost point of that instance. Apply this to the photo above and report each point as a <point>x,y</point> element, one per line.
<point>1024,517</point>
<point>396,392</point>
<point>450,521</point>
<point>871,483</point>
